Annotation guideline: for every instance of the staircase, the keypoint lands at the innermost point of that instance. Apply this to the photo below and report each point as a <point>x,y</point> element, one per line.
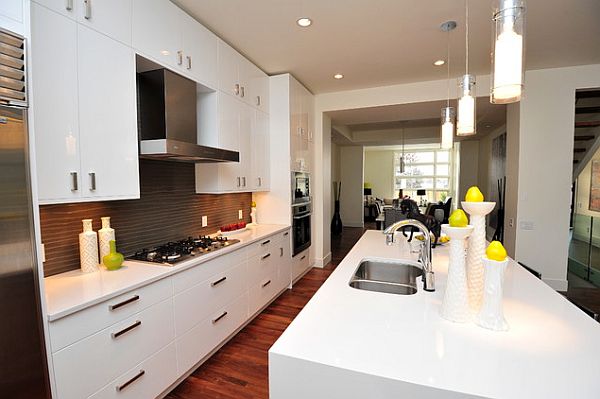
<point>587,128</point>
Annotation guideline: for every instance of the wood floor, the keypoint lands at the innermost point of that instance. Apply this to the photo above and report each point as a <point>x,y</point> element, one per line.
<point>239,370</point>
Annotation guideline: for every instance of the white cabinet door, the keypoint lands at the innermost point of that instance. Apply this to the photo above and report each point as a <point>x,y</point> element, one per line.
<point>55,106</point>
<point>260,152</point>
<point>111,17</point>
<point>228,65</point>
<point>156,32</point>
<point>107,115</point>
<point>229,122</point>
<point>246,116</point>
<point>200,52</point>
<point>64,7</point>
<point>283,263</point>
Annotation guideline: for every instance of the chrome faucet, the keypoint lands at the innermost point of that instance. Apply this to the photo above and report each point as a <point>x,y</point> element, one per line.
<point>424,255</point>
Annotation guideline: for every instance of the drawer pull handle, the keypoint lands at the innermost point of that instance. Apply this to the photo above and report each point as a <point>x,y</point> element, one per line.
<point>126,329</point>
<point>280,251</point>
<point>74,186</point>
<point>265,256</point>
<point>219,318</point>
<point>303,257</point>
<point>179,57</point>
<point>125,302</point>
<point>267,283</point>
<point>131,381</point>
<point>287,233</point>
<point>92,181</point>
<point>219,281</point>
<point>266,242</point>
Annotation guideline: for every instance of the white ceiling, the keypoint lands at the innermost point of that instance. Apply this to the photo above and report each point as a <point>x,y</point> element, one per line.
<point>382,42</point>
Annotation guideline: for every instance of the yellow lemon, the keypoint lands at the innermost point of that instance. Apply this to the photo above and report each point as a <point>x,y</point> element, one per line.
<point>253,204</point>
<point>474,195</point>
<point>496,251</point>
<point>458,218</point>
<point>444,239</point>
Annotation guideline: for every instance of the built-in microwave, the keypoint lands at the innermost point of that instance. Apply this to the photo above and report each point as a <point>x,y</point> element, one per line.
<point>300,187</point>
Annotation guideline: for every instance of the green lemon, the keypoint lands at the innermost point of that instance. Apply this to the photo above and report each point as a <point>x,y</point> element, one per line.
<point>496,251</point>
<point>458,218</point>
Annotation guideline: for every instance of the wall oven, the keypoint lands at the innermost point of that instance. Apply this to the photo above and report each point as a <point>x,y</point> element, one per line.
<point>301,227</point>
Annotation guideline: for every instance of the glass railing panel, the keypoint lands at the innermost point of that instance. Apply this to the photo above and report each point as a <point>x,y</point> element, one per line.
<point>580,250</point>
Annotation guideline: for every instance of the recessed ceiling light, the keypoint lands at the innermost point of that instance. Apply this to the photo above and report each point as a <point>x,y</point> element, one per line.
<point>165,52</point>
<point>439,62</point>
<point>304,22</point>
<point>338,76</point>
<point>488,125</point>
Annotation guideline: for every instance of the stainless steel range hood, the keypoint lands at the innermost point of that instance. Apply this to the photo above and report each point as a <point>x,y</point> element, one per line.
<point>167,121</point>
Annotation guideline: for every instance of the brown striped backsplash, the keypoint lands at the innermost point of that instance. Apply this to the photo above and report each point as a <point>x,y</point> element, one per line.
<point>168,210</point>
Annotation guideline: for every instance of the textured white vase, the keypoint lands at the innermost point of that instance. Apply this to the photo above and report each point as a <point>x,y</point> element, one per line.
<point>105,235</point>
<point>477,244</point>
<point>455,306</point>
<point>88,248</point>
<point>491,315</point>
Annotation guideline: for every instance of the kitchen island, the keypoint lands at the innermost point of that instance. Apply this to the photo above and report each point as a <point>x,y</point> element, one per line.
<point>349,343</point>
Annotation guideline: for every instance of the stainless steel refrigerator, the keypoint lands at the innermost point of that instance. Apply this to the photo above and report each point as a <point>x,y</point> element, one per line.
<point>23,366</point>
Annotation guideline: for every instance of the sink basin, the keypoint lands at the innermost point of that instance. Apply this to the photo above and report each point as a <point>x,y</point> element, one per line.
<point>389,276</point>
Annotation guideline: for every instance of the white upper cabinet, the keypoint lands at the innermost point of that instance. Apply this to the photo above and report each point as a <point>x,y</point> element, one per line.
<point>12,16</point>
<point>83,91</point>
<point>111,17</point>
<point>258,83</point>
<point>200,52</point>
<point>261,180</point>
<point>107,122</point>
<point>301,127</point>
<point>157,31</point>
<point>228,63</point>
<point>55,105</point>
<point>67,8</point>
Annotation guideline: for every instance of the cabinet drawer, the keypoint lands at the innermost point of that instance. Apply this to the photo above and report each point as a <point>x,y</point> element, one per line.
<point>206,270</point>
<point>204,337</point>
<point>86,366</point>
<point>198,302</point>
<point>146,380</point>
<point>261,294</point>
<point>261,266</point>
<point>72,328</point>
<point>299,264</point>
<point>262,246</point>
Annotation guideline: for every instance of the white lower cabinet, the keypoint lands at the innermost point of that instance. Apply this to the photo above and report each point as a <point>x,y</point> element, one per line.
<point>147,379</point>
<point>300,263</point>
<point>139,343</point>
<point>86,366</point>
<point>198,342</point>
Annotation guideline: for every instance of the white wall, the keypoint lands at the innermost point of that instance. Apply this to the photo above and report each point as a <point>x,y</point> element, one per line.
<point>546,122</point>
<point>379,171</point>
<point>469,168</point>
<point>351,199</point>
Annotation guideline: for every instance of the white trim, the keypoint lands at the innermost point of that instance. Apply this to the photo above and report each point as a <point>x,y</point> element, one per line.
<point>322,262</point>
<point>354,224</point>
<point>556,284</point>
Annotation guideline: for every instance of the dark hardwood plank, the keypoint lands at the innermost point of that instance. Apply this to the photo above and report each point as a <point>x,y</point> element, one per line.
<point>239,370</point>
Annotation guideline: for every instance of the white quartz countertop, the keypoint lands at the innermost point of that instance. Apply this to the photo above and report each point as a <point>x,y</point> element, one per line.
<point>69,292</point>
<point>552,349</point>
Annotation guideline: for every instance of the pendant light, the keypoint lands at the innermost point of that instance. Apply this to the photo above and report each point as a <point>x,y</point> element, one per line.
<point>448,111</point>
<point>402,162</point>
<point>509,51</point>
<point>465,123</point>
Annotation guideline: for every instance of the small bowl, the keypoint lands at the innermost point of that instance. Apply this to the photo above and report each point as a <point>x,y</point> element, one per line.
<point>457,233</point>
<point>478,208</point>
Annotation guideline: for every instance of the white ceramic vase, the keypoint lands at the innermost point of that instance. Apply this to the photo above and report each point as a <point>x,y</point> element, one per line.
<point>477,244</point>
<point>105,235</point>
<point>455,306</point>
<point>88,248</point>
<point>491,315</point>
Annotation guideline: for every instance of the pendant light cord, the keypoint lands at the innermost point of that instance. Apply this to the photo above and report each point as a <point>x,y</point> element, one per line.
<point>467,37</point>
<point>448,75</point>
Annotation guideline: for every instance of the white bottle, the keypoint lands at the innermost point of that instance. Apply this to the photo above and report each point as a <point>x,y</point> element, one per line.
<point>88,248</point>
<point>105,234</point>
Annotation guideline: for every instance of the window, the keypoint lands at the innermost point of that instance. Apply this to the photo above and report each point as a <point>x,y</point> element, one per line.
<point>427,169</point>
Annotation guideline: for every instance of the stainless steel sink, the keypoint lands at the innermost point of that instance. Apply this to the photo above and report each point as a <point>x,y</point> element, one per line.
<point>390,276</point>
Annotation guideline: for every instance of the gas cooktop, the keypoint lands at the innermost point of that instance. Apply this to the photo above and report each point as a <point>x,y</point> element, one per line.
<point>171,253</point>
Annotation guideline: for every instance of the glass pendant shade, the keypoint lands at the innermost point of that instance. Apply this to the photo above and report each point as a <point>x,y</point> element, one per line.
<point>465,123</point>
<point>509,52</point>
<point>447,127</point>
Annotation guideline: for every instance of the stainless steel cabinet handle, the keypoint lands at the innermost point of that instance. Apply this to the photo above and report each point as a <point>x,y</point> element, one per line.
<point>179,57</point>
<point>287,233</point>
<point>125,302</point>
<point>265,256</point>
<point>267,283</point>
<point>244,181</point>
<point>130,381</point>
<point>258,100</point>
<point>219,318</point>
<point>189,62</point>
<point>260,182</point>
<point>243,93</point>
<point>126,329</point>
<point>265,242</point>
<point>74,185</point>
<point>88,9</point>
<point>69,5</point>
<point>239,179</point>
<point>92,181</point>
<point>280,251</point>
<point>236,89</point>
<point>303,257</point>
<point>219,281</point>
